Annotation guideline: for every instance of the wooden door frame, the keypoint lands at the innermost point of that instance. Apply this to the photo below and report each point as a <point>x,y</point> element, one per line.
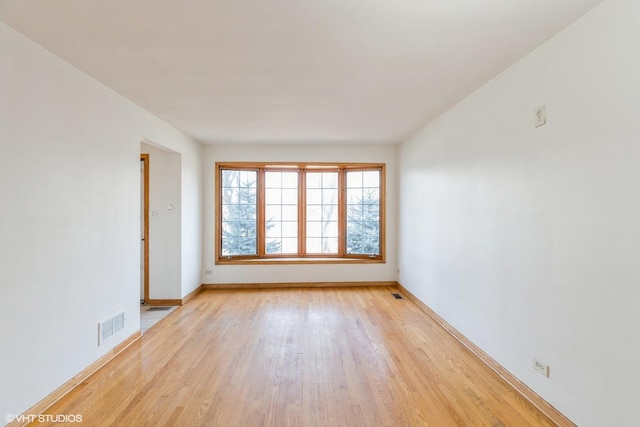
<point>144,158</point>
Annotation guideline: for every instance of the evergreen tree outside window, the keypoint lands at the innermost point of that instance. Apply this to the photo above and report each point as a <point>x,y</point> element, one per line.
<point>363,212</point>
<point>239,212</point>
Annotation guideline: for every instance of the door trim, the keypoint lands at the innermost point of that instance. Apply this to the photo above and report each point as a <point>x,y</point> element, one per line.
<point>144,158</point>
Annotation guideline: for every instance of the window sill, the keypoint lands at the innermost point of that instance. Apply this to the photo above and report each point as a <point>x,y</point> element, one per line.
<point>267,261</point>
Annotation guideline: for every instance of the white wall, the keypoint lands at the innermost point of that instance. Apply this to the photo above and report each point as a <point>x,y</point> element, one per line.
<point>165,241</point>
<point>527,240</point>
<point>306,272</point>
<point>69,223</point>
<point>191,211</point>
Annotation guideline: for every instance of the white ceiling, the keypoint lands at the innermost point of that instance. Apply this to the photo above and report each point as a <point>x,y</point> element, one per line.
<point>293,71</point>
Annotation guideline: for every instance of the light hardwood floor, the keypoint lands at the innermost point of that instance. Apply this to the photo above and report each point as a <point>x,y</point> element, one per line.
<point>297,357</point>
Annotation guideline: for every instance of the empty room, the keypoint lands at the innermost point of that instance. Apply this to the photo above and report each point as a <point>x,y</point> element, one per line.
<point>338,213</point>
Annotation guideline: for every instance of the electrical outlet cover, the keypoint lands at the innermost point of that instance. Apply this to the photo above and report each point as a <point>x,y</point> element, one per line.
<point>543,368</point>
<point>540,117</point>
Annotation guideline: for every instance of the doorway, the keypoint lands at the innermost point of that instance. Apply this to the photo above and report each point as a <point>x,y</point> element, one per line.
<point>144,228</point>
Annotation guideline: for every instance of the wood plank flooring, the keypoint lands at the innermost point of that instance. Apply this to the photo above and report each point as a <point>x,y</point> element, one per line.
<point>297,357</point>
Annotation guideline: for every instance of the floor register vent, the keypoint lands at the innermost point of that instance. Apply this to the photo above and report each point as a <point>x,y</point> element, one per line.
<point>397,296</point>
<point>109,327</point>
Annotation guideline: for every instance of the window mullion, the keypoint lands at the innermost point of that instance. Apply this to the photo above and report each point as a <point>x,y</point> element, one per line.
<point>262,229</point>
<point>342,213</point>
<point>302,212</point>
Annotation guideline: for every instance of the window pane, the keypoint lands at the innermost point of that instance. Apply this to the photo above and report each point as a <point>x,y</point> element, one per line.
<point>273,212</point>
<point>371,179</point>
<point>330,245</point>
<point>330,213</point>
<point>290,213</point>
<point>275,231</point>
<point>273,196</point>
<point>290,180</point>
<point>289,229</point>
<point>363,212</point>
<point>330,180</point>
<point>290,245</point>
<point>354,179</point>
<point>354,195</point>
<point>330,196</point>
<point>314,180</point>
<point>230,195</point>
<point>274,245</point>
<point>314,229</point>
<point>247,178</point>
<point>371,195</point>
<point>281,211</point>
<point>314,245</point>
<point>330,229</point>
<point>371,212</point>
<point>290,196</point>
<point>322,212</point>
<point>273,180</point>
<point>314,212</point>
<point>314,196</point>
<point>239,212</point>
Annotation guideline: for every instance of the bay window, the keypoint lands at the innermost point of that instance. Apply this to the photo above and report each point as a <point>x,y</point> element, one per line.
<point>291,212</point>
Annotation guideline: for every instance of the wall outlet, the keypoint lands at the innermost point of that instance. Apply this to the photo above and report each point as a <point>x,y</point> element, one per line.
<point>543,368</point>
<point>208,272</point>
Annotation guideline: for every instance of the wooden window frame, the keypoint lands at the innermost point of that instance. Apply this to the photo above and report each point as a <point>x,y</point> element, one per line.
<point>301,257</point>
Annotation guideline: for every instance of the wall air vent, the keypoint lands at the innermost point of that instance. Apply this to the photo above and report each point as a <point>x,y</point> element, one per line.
<point>110,326</point>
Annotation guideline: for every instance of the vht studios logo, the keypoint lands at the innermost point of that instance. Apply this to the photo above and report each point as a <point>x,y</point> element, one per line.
<point>44,418</point>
